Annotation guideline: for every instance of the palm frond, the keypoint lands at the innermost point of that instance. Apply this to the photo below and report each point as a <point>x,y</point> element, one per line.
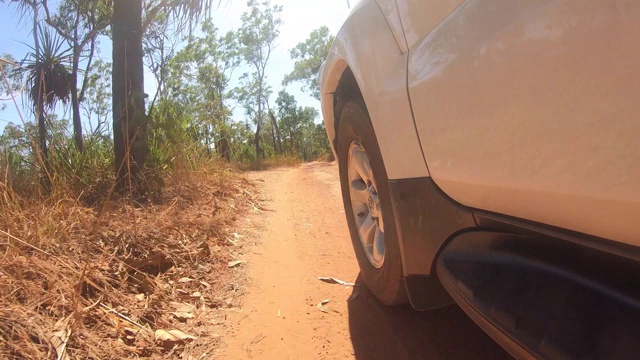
<point>188,13</point>
<point>47,72</point>
<point>24,7</point>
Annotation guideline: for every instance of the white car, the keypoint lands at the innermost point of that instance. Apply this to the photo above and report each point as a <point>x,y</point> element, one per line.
<point>489,154</point>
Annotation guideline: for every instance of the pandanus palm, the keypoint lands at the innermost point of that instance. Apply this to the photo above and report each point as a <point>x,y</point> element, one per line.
<point>48,80</point>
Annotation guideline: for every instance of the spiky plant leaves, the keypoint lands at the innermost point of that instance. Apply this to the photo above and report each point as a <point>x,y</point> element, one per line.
<point>47,72</point>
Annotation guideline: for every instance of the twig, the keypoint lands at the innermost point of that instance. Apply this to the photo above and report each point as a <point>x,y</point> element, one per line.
<point>29,245</point>
<point>107,310</point>
<point>8,62</point>
<point>63,349</point>
<point>89,281</point>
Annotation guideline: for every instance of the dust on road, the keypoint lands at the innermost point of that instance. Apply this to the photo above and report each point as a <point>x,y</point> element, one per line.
<point>304,237</point>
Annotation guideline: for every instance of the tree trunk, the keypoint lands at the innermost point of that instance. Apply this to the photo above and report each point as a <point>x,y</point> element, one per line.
<point>259,123</point>
<point>129,118</point>
<point>274,122</point>
<point>75,103</point>
<point>273,140</point>
<point>207,139</point>
<point>224,147</point>
<point>42,137</point>
<point>294,145</point>
<point>39,104</point>
<point>257,142</point>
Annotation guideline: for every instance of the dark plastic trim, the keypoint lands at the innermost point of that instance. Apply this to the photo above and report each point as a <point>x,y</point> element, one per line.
<point>425,219</point>
<point>492,221</point>
<point>426,292</point>
<point>498,335</point>
<point>546,297</point>
<point>570,273</point>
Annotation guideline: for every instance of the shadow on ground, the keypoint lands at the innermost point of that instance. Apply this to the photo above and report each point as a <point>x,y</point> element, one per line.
<point>380,332</point>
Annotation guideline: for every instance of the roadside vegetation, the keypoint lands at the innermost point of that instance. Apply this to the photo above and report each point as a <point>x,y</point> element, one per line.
<point>119,205</point>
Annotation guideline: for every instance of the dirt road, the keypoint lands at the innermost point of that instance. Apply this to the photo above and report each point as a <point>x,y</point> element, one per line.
<point>305,236</point>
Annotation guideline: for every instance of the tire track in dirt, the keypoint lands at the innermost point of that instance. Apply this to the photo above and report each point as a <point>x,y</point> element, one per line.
<point>305,236</point>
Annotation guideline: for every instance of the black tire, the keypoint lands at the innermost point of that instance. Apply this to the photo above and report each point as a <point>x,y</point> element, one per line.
<point>387,282</point>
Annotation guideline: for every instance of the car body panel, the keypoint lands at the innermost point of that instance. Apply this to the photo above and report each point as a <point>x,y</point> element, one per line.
<point>526,114</point>
<point>530,109</point>
<point>389,9</point>
<point>380,69</point>
<point>420,17</point>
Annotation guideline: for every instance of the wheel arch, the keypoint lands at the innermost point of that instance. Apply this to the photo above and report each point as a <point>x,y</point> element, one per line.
<point>376,72</point>
<point>347,90</point>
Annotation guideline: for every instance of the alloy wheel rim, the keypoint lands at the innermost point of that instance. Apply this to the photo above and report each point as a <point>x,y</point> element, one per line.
<point>365,204</point>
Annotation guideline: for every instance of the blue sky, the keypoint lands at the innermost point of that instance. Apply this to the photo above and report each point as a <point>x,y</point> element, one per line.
<point>299,17</point>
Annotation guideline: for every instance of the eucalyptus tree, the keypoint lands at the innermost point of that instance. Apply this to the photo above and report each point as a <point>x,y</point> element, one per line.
<point>295,122</point>
<point>198,78</point>
<point>96,103</point>
<point>257,39</point>
<point>309,56</point>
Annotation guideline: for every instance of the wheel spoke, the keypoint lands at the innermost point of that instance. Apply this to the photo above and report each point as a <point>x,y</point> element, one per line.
<point>378,246</point>
<point>358,195</point>
<point>367,231</point>
<point>362,166</point>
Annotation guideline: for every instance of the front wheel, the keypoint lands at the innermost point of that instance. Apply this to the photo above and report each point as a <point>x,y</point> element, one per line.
<point>367,204</point>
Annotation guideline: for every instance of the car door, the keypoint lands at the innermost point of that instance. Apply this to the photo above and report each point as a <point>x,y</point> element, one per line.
<point>530,108</point>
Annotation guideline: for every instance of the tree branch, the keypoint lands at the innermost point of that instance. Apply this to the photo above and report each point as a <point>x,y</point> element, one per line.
<point>51,23</point>
<point>93,33</point>
<point>85,80</point>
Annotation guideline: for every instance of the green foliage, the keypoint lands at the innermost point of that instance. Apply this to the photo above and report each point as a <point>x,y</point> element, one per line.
<point>87,174</point>
<point>257,38</point>
<point>301,137</point>
<point>96,102</point>
<point>259,32</point>
<point>11,80</point>
<point>190,120</point>
<point>16,158</point>
<point>193,109</point>
<point>77,19</point>
<point>309,56</point>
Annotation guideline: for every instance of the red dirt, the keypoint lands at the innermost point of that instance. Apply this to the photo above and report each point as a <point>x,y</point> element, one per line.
<point>305,236</point>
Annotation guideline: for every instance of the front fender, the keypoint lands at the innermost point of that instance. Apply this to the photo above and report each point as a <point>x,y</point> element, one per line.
<point>366,45</point>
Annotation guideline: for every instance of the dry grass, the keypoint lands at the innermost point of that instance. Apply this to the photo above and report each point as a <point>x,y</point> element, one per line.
<point>282,161</point>
<point>77,282</point>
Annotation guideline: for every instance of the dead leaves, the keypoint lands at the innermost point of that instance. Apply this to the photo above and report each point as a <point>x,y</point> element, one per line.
<point>183,311</point>
<point>236,263</point>
<point>153,268</point>
<point>321,305</point>
<point>60,338</point>
<point>152,264</point>
<point>169,339</point>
